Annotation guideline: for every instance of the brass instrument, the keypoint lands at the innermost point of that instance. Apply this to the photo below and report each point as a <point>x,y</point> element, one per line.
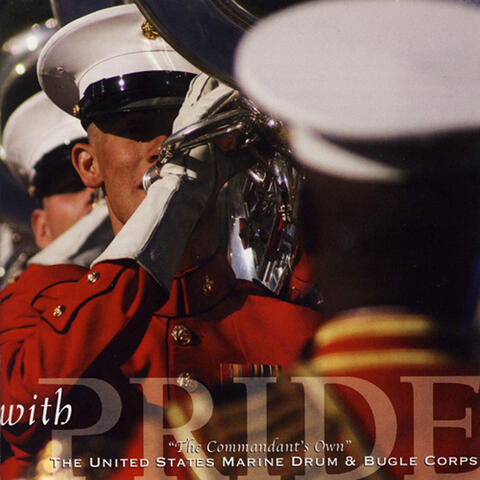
<point>206,32</point>
<point>259,206</point>
<point>259,209</point>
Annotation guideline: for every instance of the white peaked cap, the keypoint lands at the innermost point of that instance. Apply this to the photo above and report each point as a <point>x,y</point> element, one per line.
<point>364,71</point>
<point>104,44</point>
<point>34,129</point>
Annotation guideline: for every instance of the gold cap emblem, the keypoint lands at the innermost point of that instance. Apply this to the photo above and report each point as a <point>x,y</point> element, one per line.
<point>76,110</point>
<point>149,31</point>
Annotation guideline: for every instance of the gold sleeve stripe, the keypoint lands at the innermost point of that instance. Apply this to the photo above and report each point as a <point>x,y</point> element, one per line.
<point>339,362</point>
<point>385,325</point>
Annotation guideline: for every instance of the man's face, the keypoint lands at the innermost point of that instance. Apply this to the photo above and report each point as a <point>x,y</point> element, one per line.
<point>59,213</point>
<point>65,209</point>
<point>124,146</point>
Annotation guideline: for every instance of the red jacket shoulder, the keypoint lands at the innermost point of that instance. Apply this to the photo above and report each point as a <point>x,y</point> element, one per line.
<point>37,277</point>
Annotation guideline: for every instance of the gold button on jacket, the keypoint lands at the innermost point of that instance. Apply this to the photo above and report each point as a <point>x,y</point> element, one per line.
<point>181,335</point>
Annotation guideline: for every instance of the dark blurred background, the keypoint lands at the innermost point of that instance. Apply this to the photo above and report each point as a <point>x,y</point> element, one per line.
<point>30,23</point>
<point>17,14</point>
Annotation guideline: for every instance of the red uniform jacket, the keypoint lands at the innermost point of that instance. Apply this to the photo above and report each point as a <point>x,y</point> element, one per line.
<point>65,322</point>
<point>424,407</point>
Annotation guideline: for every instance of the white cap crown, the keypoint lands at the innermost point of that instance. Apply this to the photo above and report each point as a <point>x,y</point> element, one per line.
<point>34,129</point>
<point>368,72</point>
<point>104,44</point>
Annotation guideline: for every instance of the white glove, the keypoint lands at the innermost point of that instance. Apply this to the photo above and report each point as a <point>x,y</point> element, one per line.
<point>156,235</point>
<point>203,97</point>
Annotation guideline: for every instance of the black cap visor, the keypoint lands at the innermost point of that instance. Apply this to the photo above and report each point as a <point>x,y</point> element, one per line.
<point>134,92</point>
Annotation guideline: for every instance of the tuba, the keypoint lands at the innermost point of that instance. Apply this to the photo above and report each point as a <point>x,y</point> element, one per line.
<point>259,209</point>
<point>206,32</point>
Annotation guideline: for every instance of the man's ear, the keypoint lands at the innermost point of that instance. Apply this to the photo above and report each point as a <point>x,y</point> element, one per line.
<point>41,230</point>
<point>85,164</point>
